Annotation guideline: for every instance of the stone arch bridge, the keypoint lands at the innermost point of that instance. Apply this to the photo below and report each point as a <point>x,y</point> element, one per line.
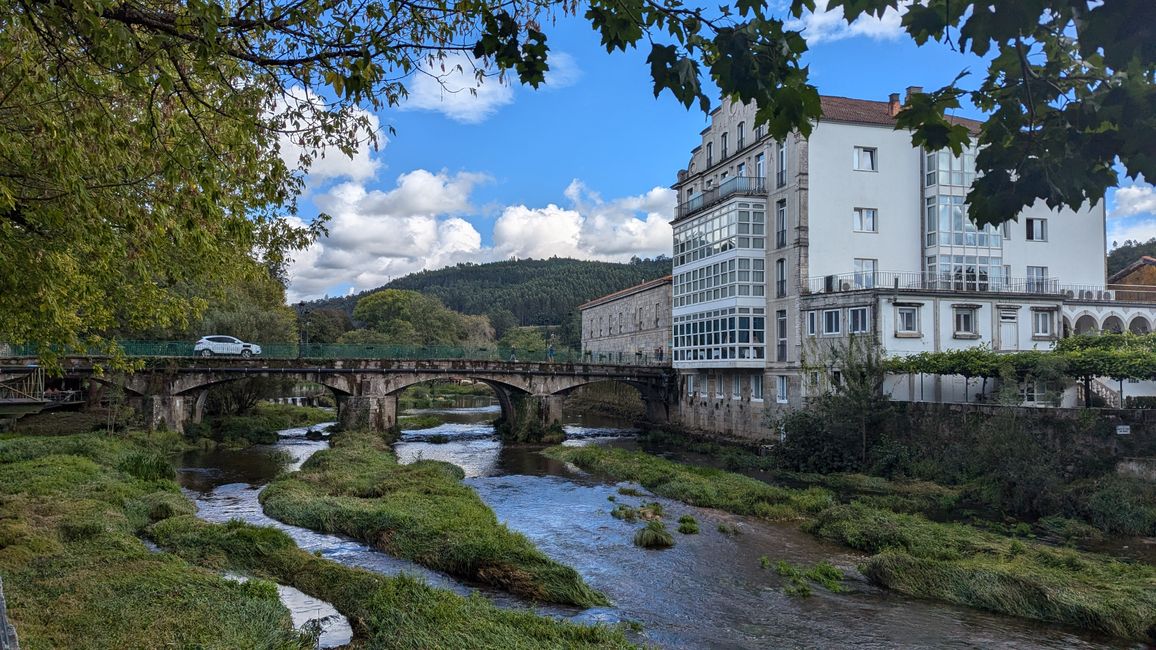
<point>170,392</point>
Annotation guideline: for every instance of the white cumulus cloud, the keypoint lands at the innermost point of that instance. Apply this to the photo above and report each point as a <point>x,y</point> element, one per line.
<point>824,25</point>
<point>450,85</point>
<point>420,223</point>
<point>1138,198</point>
<point>329,163</point>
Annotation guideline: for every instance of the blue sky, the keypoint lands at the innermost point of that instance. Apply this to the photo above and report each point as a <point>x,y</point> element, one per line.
<point>576,168</point>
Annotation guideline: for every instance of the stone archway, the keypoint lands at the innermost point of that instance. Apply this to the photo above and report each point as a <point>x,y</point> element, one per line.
<point>1139,325</point>
<point>1086,324</point>
<point>1112,325</point>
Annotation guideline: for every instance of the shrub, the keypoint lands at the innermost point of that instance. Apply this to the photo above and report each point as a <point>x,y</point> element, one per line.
<point>687,525</point>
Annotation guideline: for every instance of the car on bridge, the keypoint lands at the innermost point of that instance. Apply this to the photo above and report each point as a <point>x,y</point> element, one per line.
<point>219,344</point>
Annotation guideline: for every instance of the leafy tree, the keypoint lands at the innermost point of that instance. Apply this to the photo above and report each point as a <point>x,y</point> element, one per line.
<point>364,337</point>
<point>502,320</point>
<point>408,317</point>
<point>523,340</point>
<point>325,325</point>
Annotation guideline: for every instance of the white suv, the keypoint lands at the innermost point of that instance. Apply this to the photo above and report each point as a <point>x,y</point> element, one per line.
<point>216,344</point>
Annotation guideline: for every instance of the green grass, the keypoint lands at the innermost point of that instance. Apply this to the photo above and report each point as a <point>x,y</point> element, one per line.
<point>698,486</point>
<point>416,422</point>
<point>959,564</point>
<point>953,563</point>
<point>687,525</point>
<point>77,576</point>
<point>653,535</point>
<point>420,512</point>
<point>799,578</point>
<point>387,612</point>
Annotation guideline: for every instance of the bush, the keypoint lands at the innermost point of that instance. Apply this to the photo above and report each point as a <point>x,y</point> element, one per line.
<point>687,525</point>
<point>1116,504</point>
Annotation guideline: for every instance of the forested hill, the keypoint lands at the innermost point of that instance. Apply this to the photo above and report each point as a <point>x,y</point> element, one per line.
<point>536,292</point>
<point>1123,254</point>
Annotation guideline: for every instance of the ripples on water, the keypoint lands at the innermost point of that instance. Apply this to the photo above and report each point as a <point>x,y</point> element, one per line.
<point>709,591</point>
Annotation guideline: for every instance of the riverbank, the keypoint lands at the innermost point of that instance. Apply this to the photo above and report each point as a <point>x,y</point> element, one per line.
<point>952,563</point>
<point>258,427</point>
<point>420,512</point>
<point>77,575</point>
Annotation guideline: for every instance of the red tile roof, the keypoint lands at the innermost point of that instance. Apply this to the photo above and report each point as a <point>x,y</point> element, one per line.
<point>650,284</point>
<point>866,111</point>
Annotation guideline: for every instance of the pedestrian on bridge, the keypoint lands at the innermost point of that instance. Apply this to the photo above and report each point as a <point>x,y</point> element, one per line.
<point>550,353</point>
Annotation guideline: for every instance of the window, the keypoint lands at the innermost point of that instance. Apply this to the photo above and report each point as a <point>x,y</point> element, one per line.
<point>709,154</point>
<point>832,324</point>
<point>741,139</point>
<point>865,270</point>
<point>723,147</point>
<point>865,159</point>
<point>865,220</point>
<point>965,324</point>
<point>1042,324</point>
<point>1038,279</point>
<point>906,320</point>
<point>780,278</point>
<point>718,386</point>
<point>781,224</point>
<point>690,385</point>
<point>760,166</point>
<point>812,318</point>
<point>742,170</point>
<point>656,313</point>
<point>781,329</point>
<point>857,320</point>
<point>781,174</point>
<point>736,387</point>
<point>1037,229</point>
<point>757,388</point>
<point>690,193</point>
<point>724,174</point>
<point>781,384</point>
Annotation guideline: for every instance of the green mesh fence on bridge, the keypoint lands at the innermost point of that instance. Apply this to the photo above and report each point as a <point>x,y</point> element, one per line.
<point>365,351</point>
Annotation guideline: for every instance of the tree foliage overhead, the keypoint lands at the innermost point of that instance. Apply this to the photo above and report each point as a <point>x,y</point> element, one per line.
<point>139,139</point>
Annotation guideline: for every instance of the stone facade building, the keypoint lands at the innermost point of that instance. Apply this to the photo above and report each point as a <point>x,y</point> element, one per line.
<point>632,325</point>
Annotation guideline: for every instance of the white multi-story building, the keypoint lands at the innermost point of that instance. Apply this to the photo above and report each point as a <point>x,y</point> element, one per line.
<point>783,247</point>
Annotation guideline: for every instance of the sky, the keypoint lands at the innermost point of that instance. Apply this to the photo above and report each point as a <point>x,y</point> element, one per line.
<point>580,167</point>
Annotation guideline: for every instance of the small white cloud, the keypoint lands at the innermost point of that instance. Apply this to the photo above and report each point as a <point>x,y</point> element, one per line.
<point>825,25</point>
<point>1121,230</point>
<point>1138,198</point>
<point>450,85</point>
<point>563,72</point>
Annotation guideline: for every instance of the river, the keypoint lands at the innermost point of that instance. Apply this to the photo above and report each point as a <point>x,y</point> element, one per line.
<point>709,591</point>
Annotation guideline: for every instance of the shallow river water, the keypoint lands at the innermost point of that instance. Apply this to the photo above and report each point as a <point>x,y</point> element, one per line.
<point>709,591</point>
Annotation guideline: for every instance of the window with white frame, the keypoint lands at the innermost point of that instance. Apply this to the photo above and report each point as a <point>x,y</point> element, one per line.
<point>965,321</point>
<point>742,136</point>
<point>1037,229</point>
<point>780,278</point>
<point>781,223</point>
<point>736,386</point>
<point>760,166</point>
<point>741,169</point>
<point>812,323</point>
<point>832,322</point>
<point>857,320</point>
<point>866,159</point>
<point>757,388</point>
<point>865,270</point>
<point>781,335</point>
<point>723,143</point>
<point>718,386</point>
<point>781,386</point>
<point>781,174</point>
<point>690,385</point>
<point>1042,323</point>
<point>906,320</point>
<point>1038,279</point>
<point>709,155</point>
<point>865,220</point>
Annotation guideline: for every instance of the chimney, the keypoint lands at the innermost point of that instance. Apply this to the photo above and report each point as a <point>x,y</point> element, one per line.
<point>893,104</point>
<point>912,90</point>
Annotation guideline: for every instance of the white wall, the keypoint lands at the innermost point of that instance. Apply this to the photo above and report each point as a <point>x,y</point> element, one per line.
<point>835,189</point>
<point>1074,251</point>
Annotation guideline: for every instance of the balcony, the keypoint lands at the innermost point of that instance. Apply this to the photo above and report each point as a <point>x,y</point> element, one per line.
<point>746,185</point>
<point>947,282</point>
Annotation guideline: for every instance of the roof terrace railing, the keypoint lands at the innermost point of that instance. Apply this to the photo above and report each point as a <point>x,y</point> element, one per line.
<point>977,283</point>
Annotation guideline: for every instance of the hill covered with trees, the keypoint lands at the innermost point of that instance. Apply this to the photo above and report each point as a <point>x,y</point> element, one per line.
<point>519,292</point>
<point>1128,251</point>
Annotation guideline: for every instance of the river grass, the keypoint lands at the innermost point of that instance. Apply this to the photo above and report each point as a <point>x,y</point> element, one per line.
<point>386,612</point>
<point>421,512</point>
<point>75,573</point>
<point>953,563</point>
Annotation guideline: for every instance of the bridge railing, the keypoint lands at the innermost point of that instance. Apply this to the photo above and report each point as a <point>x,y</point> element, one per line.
<point>369,351</point>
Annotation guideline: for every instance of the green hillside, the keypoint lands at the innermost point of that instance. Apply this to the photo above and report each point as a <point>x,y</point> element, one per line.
<point>534,292</point>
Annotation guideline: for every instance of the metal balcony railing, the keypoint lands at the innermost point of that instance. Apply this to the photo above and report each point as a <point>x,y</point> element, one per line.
<point>978,283</point>
<point>749,185</point>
